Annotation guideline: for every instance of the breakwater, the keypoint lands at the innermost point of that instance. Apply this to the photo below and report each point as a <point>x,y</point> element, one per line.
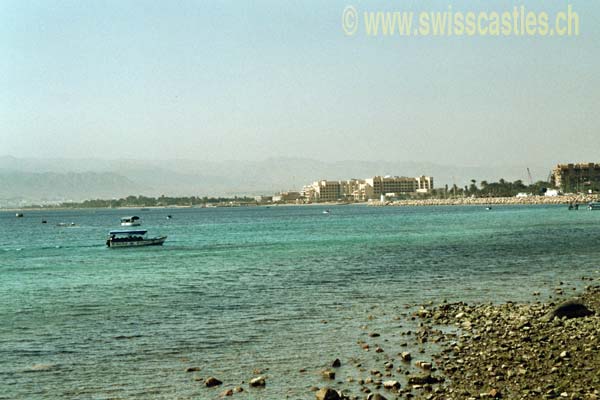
<point>485,201</point>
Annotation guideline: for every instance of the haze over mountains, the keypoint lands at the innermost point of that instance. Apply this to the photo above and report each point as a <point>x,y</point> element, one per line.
<point>31,180</point>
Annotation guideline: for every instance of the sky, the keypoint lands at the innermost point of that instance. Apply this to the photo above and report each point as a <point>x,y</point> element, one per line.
<point>251,80</point>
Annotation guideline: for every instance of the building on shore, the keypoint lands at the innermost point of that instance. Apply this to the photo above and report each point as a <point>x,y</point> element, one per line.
<point>580,177</point>
<point>366,189</point>
<point>323,190</point>
<point>286,197</point>
<point>399,185</point>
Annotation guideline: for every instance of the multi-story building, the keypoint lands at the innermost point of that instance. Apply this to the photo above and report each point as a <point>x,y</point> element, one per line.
<point>356,190</point>
<point>576,177</point>
<point>383,185</point>
<point>365,189</point>
<point>424,184</point>
<point>286,197</point>
<point>323,190</point>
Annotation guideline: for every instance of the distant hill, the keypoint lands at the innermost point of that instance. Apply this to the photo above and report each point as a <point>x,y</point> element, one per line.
<point>52,186</point>
<point>85,178</point>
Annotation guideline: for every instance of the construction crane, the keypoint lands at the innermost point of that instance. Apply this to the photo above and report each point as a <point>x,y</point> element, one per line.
<point>530,178</point>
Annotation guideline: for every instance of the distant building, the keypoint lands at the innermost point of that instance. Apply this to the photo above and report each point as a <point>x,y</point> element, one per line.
<point>366,189</point>
<point>576,177</point>
<point>286,197</point>
<point>263,199</point>
<point>397,185</point>
<point>323,190</point>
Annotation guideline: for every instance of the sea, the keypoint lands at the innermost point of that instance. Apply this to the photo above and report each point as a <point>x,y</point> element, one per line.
<point>278,291</point>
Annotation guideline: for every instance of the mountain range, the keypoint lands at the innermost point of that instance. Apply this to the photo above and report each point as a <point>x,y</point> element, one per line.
<point>63,179</point>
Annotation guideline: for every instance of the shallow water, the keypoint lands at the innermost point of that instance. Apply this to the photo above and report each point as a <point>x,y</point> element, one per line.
<point>234,289</point>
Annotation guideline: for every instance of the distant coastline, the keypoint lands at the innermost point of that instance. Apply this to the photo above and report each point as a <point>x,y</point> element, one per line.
<point>484,201</point>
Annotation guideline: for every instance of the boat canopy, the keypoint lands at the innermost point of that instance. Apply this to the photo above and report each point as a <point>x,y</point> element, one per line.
<point>133,218</point>
<point>129,232</point>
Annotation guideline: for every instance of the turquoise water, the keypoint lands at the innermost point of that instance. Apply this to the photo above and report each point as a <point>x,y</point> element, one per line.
<point>235,289</point>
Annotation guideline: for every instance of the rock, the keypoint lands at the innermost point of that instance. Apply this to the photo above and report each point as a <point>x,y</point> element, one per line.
<point>192,369</point>
<point>405,355</point>
<point>375,396</point>
<point>328,374</point>
<point>569,309</point>
<point>424,379</point>
<point>336,363</point>
<point>391,385</point>
<point>228,392</point>
<point>259,381</point>
<point>238,389</point>
<point>327,394</point>
<point>423,365</point>
<point>212,381</point>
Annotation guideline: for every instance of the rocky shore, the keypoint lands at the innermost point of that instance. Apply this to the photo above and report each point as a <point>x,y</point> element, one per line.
<point>486,201</point>
<point>486,351</point>
<point>536,350</point>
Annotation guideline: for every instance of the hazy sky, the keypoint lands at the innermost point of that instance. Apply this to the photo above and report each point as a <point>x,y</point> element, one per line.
<point>256,79</point>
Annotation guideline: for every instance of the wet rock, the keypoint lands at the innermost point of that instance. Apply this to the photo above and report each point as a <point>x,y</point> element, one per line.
<point>375,396</point>
<point>211,381</point>
<point>391,385</point>
<point>192,369</point>
<point>336,363</point>
<point>423,365</point>
<point>259,381</point>
<point>406,356</point>
<point>328,374</point>
<point>228,392</point>
<point>327,394</point>
<point>569,309</point>
<point>424,379</point>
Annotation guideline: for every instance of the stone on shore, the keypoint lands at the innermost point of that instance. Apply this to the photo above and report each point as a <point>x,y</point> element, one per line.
<point>391,385</point>
<point>424,379</point>
<point>327,394</point>
<point>336,363</point>
<point>328,374</point>
<point>569,309</point>
<point>212,381</point>
<point>375,396</point>
<point>259,381</point>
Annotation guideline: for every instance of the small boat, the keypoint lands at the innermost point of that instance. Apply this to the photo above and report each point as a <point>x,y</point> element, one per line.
<point>44,221</point>
<point>19,215</point>
<point>131,221</point>
<point>133,238</point>
<point>595,205</point>
<point>326,211</point>
<point>64,224</point>
<point>488,208</point>
<point>169,216</point>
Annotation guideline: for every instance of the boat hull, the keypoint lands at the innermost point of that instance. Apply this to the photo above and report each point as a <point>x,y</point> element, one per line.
<point>158,241</point>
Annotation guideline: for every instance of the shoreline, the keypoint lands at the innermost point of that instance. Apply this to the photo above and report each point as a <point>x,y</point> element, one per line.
<point>458,351</point>
<point>510,350</point>
<point>582,200</point>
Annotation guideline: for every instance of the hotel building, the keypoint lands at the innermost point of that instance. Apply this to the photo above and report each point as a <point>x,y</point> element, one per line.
<point>576,177</point>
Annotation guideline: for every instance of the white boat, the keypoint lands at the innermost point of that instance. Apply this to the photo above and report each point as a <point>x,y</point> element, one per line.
<point>131,221</point>
<point>133,238</point>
